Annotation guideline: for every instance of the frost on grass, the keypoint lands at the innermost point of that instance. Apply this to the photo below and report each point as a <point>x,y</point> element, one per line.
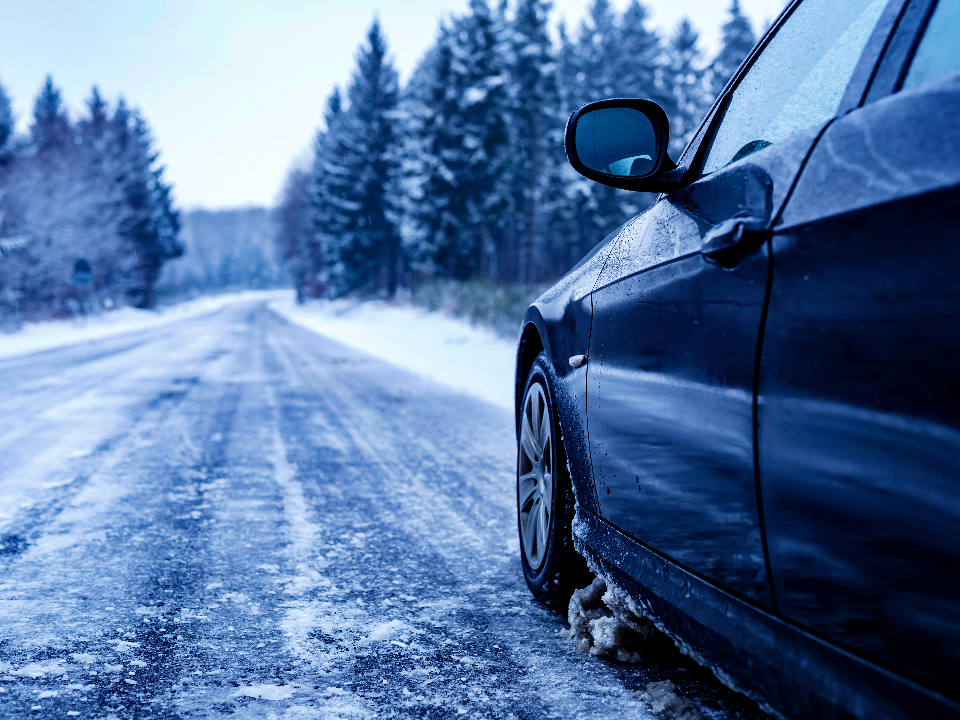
<point>604,622</point>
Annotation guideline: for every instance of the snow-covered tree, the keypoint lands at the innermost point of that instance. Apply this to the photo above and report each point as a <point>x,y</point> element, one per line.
<point>313,259</point>
<point>594,58</point>
<point>148,224</point>
<point>465,176</point>
<point>50,131</point>
<point>736,43</point>
<point>536,123</point>
<point>295,230</point>
<point>454,150</point>
<point>366,247</point>
<point>638,64</point>
<point>6,120</point>
<point>687,81</point>
<point>85,195</point>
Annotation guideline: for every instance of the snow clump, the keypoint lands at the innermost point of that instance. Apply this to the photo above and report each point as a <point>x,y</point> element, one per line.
<point>665,703</point>
<point>604,623</point>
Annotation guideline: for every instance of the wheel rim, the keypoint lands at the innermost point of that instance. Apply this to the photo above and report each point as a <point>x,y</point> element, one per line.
<point>535,476</point>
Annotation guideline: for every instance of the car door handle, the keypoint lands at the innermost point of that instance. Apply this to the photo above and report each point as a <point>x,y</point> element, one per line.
<point>732,240</point>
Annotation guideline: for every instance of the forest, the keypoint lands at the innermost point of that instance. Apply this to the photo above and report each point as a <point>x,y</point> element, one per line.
<point>456,175</point>
<point>227,249</point>
<point>86,216</point>
<point>460,174</point>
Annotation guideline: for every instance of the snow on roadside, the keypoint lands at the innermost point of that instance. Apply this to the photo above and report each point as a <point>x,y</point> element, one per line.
<point>451,351</point>
<point>35,337</point>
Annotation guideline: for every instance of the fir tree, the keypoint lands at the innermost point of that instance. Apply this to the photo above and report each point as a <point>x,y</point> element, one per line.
<point>367,246</point>
<point>468,168</point>
<point>148,223</point>
<point>6,121</point>
<point>93,191</point>
<point>637,63</point>
<point>536,139</point>
<point>455,150</point>
<point>51,129</point>
<point>686,79</point>
<point>93,128</point>
<point>427,158</point>
<point>97,169</point>
<point>310,251</point>
<point>597,56</point>
<point>481,92</point>
<point>295,227</point>
<point>736,43</point>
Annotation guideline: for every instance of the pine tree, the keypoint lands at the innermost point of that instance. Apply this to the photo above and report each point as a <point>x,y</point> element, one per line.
<point>638,61</point>
<point>736,43</point>
<point>48,208</point>
<point>536,143</point>
<point>6,121</point>
<point>90,194</point>
<point>686,79</point>
<point>427,181</point>
<point>308,251</point>
<point>367,248</point>
<point>148,223</point>
<point>295,226</point>
<point>481,94</point>
<point>51,129</point>
<point>597,56</point>
<point>454,150</point>
<point>102,200</point>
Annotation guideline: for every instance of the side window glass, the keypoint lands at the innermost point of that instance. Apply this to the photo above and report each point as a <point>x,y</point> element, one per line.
<point>938,54</point>
<point>798,80</point>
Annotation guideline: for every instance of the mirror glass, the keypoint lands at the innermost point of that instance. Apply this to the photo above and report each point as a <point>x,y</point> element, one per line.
<point>617,141</point>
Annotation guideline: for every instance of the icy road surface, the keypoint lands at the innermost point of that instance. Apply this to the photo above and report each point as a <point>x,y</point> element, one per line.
<point>231,515</point>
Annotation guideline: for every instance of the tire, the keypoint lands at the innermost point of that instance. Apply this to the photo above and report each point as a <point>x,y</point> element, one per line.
<point>545,500</point>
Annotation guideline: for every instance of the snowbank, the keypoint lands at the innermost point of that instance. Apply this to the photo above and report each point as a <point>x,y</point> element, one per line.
<point>35,337</point>
<point>451,351</point>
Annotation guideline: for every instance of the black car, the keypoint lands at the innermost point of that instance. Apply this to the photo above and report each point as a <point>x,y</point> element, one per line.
<point>743,407</point>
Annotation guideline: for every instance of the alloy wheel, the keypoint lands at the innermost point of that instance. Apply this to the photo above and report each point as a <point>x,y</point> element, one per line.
<point>535,477</point>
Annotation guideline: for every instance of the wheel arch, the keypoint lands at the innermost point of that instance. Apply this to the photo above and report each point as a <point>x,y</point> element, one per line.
<point>533,341</point>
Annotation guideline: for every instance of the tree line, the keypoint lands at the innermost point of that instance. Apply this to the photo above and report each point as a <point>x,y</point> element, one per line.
<point>227,249</point>
<point>86,216</point>
<point>461,173</point>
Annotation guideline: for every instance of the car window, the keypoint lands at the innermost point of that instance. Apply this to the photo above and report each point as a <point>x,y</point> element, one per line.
<point>798,80</point>
<point>938,54</point>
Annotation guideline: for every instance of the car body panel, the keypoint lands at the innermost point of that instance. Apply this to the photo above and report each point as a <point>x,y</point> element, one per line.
<point>671,374</point>
<point>558,322</point>
<point>859,405</point>
<point>790,672</point>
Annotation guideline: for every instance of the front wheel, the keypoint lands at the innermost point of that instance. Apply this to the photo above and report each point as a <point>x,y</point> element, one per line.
<point>545,499</point>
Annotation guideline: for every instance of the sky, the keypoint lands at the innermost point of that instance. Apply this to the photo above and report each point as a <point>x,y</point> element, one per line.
<point>235,89</point>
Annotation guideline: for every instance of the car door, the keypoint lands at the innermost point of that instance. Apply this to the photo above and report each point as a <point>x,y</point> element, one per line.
<point>859,405</point>
<point>677,312</point>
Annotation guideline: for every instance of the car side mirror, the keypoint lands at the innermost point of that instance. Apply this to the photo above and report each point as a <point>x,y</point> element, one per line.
<point>622,143</point>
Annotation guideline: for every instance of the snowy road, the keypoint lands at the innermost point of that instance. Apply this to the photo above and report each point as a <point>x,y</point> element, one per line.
<point>230,515</point>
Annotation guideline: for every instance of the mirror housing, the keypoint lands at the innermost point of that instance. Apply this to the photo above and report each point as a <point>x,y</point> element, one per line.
<point>634,133</point>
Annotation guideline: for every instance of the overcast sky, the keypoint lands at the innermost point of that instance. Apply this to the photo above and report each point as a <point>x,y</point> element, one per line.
<point>234,89</point>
